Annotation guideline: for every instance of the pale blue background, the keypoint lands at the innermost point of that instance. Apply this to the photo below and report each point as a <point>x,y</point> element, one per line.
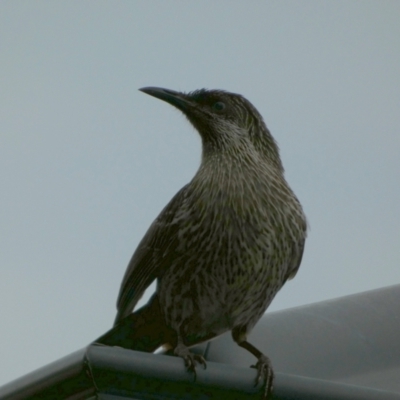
<point>87,161</point>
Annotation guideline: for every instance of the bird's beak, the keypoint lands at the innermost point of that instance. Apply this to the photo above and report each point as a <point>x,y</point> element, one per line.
<point>176,99</point>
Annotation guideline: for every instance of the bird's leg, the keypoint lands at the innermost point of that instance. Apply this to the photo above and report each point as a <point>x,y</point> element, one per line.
<point>263,365</point>
<point>181,350</point>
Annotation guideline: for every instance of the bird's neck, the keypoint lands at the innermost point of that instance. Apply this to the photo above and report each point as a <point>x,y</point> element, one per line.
<point>232,176</point>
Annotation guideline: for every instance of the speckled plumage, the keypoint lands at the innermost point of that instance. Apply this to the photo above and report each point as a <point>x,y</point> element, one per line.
<point>227,242</point>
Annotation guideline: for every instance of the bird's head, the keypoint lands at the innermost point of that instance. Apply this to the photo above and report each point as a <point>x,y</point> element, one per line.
<point>225,121</point>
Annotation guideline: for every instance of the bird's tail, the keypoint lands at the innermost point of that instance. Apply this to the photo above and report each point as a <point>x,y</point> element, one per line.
<point>143,330</point>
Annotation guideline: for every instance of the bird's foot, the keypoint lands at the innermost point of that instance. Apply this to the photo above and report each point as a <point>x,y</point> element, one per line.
<point>265,372</point>
<point>190,359</point>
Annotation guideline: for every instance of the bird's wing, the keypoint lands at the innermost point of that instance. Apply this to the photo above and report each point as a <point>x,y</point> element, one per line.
<point>297,256</point>
<point>152,255</point>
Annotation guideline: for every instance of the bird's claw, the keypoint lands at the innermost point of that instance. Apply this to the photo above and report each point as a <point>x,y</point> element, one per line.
<point>190,359</point>
<point>264,371</point>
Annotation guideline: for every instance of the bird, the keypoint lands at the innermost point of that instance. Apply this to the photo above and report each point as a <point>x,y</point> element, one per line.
<point>224,245</point>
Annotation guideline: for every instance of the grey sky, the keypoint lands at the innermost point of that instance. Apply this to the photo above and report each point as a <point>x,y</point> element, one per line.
<point>87,161</point>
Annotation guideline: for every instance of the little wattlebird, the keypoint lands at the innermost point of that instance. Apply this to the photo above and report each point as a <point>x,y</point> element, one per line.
<point>222,247</point>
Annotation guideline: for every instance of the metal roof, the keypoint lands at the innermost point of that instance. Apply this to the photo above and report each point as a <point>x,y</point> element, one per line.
<point>346,348</point>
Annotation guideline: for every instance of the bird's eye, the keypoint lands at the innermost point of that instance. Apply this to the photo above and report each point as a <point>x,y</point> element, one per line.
<point>218,106</point>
